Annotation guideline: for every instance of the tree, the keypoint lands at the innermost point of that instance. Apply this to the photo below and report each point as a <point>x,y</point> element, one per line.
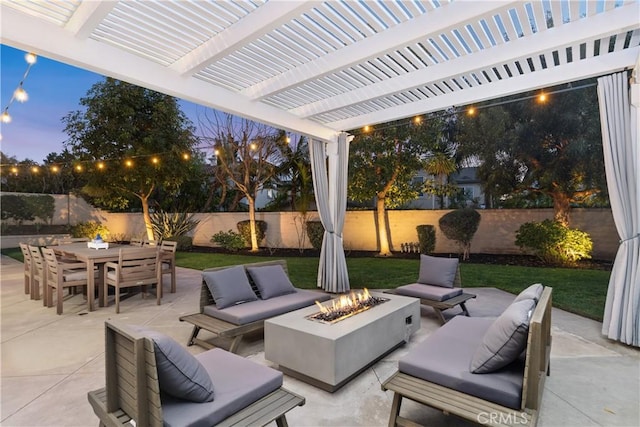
<point>551,148</point>
<point>244,152</point>
<point>129,142</point>
<point>383,163</point>
<point>440,165</point>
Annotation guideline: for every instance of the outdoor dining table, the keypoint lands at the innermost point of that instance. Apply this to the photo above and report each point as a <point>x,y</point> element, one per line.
<point>92,257</point>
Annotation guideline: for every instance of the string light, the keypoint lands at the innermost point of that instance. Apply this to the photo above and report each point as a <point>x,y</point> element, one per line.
<point>19,94</point>
<point>472,111</point>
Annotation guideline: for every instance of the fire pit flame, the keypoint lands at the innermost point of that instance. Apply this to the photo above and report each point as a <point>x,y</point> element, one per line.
<point>346,306</point>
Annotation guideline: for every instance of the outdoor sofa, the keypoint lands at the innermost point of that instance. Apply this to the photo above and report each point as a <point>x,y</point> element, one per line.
<point>236,300</point>
<point>152,381</point>
<point>489,371</point>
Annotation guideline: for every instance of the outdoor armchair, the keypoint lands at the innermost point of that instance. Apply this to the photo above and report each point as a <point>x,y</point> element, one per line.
<point>151,379</point>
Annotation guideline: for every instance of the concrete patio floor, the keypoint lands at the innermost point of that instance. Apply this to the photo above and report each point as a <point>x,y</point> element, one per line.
<point>50,362</point>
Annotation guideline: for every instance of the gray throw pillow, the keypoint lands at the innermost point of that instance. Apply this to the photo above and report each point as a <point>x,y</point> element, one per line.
<point>179,373</point>
<point>505,339</point>
<point>533,292</point>
<point>271,281</point>
<point>229,286</point>
<point>437,271</point>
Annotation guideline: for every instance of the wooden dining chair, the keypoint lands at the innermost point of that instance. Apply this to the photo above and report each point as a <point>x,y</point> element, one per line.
<point>61,275</point>
<point>168,261</point>
<point>150,243</point>
<point>135,267</point>
<point>26,257</point>
<point>135,242</point>
<point>38,277</point>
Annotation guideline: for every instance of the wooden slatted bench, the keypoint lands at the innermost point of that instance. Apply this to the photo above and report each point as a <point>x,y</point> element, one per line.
<point>475,409</point>
<point>220,328</point>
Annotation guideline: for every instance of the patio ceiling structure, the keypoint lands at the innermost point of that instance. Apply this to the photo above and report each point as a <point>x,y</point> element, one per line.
<point>322,68</point>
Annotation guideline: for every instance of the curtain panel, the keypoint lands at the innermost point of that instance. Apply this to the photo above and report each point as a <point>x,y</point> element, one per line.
<point>329,163</point>
<point>619,121</point>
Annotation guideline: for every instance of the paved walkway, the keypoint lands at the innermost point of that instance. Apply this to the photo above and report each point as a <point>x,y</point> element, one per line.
<point>50,362</point>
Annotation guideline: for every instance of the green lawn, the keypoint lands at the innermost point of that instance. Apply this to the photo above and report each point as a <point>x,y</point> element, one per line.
<point>579,291</point>
<point>576,290</point>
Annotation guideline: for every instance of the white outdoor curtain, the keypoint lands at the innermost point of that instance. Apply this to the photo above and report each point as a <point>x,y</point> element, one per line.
<point>331,198</point>
<point>619,120</point>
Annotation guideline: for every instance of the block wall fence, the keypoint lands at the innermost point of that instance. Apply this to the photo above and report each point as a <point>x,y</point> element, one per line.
<point>496,233</point>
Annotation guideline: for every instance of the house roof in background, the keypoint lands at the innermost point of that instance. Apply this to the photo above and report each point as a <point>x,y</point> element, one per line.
<point>322,67</point>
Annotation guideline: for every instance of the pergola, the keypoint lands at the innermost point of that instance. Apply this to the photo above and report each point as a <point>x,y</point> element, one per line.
<point>321,68</point>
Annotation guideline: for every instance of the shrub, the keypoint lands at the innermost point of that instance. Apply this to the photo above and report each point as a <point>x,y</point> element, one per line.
<point>166,224</point>
<point>426,238</point>
<point>229,240</point>
<point>315,231</point>
<point>244,227</point>
<point>554,243</point>
<point>41,206</point>
<point>460,226</point>
<point>185,243</point>
<point>15,207</point>
<point>89,229</point>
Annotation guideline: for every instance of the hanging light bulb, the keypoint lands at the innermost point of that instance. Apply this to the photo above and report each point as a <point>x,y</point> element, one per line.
<point>31,58</point>
<point>6,117</point>
<point>20,94</point>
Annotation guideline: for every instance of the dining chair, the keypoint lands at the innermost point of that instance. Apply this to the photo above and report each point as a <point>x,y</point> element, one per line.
<point>135,267</point>
<point>135,242</point>
<point>62,275</point>
<point>26,256</point>
<point>38,277</point>
<point>168,261</point>
<point>150,243</point>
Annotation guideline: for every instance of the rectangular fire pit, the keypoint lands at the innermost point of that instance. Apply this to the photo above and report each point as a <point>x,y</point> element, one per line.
<point>329,355</point>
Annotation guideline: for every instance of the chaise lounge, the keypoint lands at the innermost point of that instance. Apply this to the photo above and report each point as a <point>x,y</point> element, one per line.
<point>152,381</point>
<point>236,300</point>
<point>489,371</point>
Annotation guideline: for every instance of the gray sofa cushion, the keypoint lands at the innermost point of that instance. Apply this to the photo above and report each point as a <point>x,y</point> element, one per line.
<point>437,271</point>
<point>505,340</point>
<point>271,281</point>
<point>444,357</point>
<point>179,372</point>
<point>533,292</point>
<point>430,292</point>
<point>229,286</point>
<point>238,383</point>
<point>263,309</point>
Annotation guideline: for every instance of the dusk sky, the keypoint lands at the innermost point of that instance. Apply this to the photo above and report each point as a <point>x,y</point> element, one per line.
<point>54,90</point>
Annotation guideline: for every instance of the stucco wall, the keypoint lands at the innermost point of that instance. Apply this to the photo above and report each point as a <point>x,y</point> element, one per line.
<point>496,233</point>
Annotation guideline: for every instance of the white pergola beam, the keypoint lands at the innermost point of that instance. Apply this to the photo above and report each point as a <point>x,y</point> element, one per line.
<point>617,21</point>
<point>88,16</point>
<point>264,19</point>
<point>410,32</point>
<point>25,32</point>
<point>579,70</point>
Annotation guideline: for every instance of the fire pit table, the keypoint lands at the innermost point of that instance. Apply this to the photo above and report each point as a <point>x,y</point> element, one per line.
<point>330,354</point>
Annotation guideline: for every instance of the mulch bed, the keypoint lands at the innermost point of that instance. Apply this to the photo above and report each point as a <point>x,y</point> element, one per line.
<point>492,259</point>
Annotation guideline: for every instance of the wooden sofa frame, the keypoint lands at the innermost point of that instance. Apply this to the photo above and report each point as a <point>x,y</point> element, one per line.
<point>440,306</point>
<point>477,410</point>
<point>132,390</point>
<point>219,327</point>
